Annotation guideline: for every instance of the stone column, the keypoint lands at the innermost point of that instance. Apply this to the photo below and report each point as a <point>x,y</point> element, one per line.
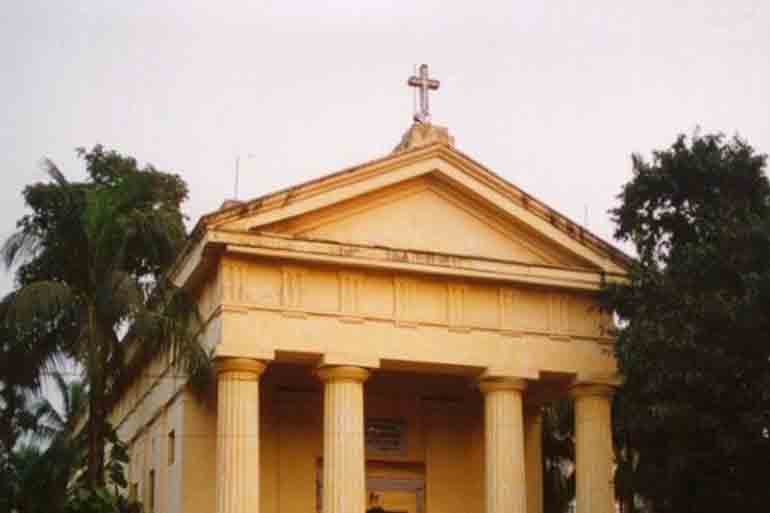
<point>237,480</point>
<point>533,451</point>
<point>593,449</point>
<point>504,437</point>
<point>344,480</point>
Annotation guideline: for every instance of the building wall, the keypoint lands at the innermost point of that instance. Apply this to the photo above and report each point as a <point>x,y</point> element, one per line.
<point>149,451</point>
<point>199,448</point>
<point>444,438</point>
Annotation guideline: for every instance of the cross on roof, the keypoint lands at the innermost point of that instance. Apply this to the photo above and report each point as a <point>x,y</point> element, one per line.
<point>424,84</point>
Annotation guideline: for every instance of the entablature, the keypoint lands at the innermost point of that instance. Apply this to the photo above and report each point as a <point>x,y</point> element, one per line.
<point>406,299</point>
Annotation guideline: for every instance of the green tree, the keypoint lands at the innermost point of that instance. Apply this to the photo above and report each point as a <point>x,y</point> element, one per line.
<point>558,456</point>
<point>40,470</point>
<point>92,259</point>
<point>695,312</point>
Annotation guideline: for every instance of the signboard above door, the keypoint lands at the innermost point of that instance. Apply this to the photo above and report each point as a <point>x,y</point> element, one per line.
<point>385,437</point>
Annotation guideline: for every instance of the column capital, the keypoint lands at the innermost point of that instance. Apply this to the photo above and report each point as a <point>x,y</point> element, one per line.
<point>342,374</point>
<point>592,390</point>
<point>487,385</point>
<point>228,364</point>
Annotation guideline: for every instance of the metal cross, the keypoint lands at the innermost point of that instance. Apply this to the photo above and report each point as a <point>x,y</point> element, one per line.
<point>425,84</point>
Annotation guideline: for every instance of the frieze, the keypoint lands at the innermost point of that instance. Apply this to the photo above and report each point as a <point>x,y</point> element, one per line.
<point>408,301</point>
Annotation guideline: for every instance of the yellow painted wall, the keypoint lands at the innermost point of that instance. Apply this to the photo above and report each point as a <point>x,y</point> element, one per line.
<point>199,456</point>
<point>444,438</point>
<point>149,451</point>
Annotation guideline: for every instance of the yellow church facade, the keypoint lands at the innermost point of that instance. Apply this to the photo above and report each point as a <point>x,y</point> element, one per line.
<point>384,338</point>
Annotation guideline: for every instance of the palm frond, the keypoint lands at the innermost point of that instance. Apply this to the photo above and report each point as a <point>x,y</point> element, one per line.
<point>48,422</point>
<point>62,387</point>
<point>47,414</point>
<point>52,170</point>
<point>29,349</point>
<point>172,325</point>
<point>19,247</point>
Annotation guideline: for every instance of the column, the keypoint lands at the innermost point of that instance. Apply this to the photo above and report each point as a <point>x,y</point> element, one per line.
<point>237,479</point>
<point>504,437</point>
<point>594,456</point>
<point>533,451</point>
<point>344,480</point>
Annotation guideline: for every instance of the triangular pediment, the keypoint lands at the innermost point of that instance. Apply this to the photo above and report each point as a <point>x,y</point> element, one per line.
<point>425,214</point>
<point>432,199</point>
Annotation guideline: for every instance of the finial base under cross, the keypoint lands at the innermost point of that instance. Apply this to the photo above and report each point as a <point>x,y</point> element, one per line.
<point>424,134</point>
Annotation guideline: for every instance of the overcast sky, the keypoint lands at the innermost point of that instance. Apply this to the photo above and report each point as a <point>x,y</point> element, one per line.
<point>554,96</point>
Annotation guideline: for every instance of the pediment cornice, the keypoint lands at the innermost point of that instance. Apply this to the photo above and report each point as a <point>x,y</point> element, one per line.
<point>408,262</point>
<point>440,161</point>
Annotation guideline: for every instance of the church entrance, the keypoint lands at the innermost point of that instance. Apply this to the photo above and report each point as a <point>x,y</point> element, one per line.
<point>391,487</point>
<point>395,487</point>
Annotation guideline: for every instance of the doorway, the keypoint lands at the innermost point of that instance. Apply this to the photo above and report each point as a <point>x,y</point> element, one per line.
<point>394,487</point>
<point>391,487</point>
<point>395,495</point>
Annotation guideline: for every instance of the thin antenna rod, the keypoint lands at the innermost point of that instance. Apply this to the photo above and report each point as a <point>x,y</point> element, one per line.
<point>237,173</point>
<point>585,216</point>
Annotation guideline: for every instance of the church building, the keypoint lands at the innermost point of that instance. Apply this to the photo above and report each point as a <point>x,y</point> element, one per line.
<point>384,339</point>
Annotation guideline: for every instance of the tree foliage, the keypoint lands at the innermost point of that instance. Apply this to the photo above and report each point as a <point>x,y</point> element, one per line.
<point>694,347</point>
<point>91,260</point>
<point>42,473</point>
<point>558,456</point>
<point>24,361</point>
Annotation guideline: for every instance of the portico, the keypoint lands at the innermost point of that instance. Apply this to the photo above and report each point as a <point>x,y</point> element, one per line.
<point>385,337</point>
<point>486,432</point>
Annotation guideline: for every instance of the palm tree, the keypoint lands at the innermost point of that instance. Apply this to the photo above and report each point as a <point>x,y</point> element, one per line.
<point>92,259</point>
<point>40,470</point>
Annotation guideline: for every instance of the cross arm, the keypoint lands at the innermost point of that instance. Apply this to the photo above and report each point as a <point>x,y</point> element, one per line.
<point>418,82</point>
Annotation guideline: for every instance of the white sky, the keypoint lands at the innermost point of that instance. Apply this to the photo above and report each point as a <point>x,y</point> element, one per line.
<point>553,95</point>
